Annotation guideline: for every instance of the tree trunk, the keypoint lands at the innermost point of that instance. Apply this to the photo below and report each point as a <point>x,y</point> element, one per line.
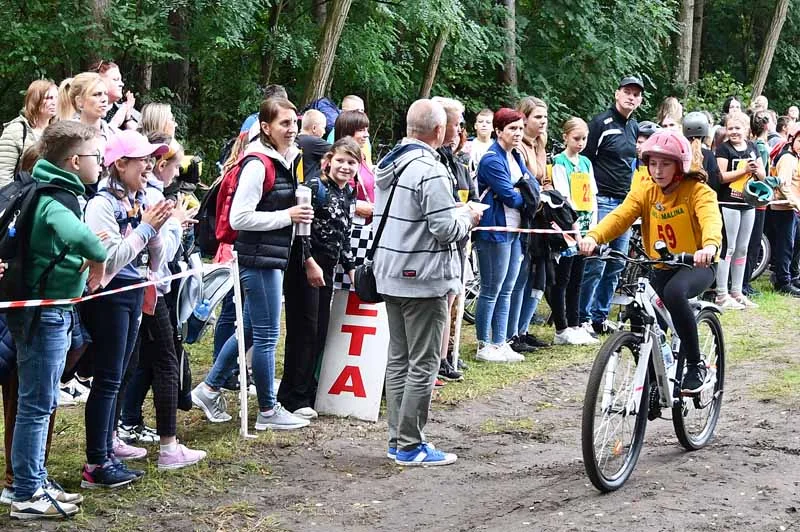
<point>697,40</point>
<point>99,10</point>
<point>268,58</point>
<point>510,26</point>
<point>147,76</point>
<point>319,10</point>
<point>768,51</point>
<point>326,50</point>
<point>178,71</point>
<point>433,63</point>
<point>686,25</point>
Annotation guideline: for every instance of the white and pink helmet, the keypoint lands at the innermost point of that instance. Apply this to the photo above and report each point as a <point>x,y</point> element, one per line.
<point>669,144</point>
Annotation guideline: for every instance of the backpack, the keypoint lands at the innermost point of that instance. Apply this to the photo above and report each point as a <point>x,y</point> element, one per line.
<point>326,107</point>
<point>223,196</point>
<point>18,201</point>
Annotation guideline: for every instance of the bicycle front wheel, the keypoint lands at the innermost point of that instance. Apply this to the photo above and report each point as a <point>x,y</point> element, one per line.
<point>696,416</point>
<point>612,430</point>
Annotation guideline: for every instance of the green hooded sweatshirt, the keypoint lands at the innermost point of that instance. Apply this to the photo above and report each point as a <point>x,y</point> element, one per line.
<point>54,227</point>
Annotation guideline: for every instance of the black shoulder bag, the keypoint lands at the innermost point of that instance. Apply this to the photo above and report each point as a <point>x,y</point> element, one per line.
<point>364,276</point>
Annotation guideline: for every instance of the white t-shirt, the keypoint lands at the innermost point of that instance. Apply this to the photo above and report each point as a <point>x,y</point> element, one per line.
<point>512,215</point>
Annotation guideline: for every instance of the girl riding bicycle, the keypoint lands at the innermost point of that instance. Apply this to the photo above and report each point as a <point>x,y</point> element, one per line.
<point>677,207</point>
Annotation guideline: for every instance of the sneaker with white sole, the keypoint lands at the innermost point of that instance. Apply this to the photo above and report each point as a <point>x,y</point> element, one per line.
<point>582,336</point>
<point>587,326</point>
<point>211,403</point>
<point>58,493</point>
<point>306,413</point>
<point>137,433</point>
<point>726,302</point>
<point>744,301</point>
<point>280,419</point>
<point>123,451</point>
<point>424,455</point>
<point>182,456</point>
<point>490,353</point>
<point>76,390</point>
<point>42,505</point>
<point>65,398</point>
<point>7,496</point>
<point>509,353</point>
<point>565,337</point>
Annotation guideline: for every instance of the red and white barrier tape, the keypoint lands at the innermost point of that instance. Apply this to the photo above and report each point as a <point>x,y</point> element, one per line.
<point>74,300</point>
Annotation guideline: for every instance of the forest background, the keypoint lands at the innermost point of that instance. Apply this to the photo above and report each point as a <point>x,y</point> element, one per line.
<point>208,58</point>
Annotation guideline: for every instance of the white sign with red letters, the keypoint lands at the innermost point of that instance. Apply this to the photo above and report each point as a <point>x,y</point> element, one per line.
<point>354,361</point>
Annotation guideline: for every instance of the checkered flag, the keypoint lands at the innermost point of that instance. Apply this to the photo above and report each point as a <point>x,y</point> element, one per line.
<point>360,242</point>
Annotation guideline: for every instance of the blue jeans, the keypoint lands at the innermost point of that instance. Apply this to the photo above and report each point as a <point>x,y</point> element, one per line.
<point>524,301</point>
<point>600,277</point>
<point>39,363</point>
<point>499,264</point>
<point>226,323</point>
<point>262,320</point>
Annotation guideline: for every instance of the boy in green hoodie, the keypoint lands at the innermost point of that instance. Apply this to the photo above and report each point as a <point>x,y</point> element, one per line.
<point>71,157</point>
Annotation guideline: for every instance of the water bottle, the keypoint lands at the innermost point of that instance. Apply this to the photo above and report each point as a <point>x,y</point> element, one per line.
<point>571,251</point>
<point>303,197</point>
<point>666,352</point>
<point>203,310</point>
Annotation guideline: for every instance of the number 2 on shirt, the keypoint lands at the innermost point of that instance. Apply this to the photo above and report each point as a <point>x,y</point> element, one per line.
<point>581,191</point>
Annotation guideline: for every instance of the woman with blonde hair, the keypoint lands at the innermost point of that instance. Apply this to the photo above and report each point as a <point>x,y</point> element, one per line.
<point>38,110</point>
<point>670,114</point>
<point>87,96</point>
<point>157,118</point>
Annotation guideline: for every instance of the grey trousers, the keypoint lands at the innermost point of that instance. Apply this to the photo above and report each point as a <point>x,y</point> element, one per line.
<point>415,330</point>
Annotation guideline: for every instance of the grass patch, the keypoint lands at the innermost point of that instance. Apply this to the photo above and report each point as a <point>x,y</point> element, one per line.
<point>783,386</point>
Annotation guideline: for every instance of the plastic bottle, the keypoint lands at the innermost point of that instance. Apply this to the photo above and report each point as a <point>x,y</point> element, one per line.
<point>203,310</point>
<point>571,251</point>
<point>666,352</point>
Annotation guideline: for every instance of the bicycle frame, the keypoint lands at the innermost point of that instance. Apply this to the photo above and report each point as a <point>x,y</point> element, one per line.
<point>649,303</point>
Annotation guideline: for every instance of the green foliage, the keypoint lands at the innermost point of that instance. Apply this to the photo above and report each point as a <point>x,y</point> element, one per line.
<point>710,92</point>
<point>208,58</point>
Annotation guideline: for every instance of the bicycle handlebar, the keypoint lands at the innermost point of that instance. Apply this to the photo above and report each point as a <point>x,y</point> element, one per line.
<point>681,260</point>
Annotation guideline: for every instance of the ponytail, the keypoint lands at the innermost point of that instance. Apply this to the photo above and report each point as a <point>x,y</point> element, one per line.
<point>696,170</point>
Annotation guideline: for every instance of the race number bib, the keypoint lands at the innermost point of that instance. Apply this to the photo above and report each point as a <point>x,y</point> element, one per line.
<point>580,188</point>
<point>674,227</point>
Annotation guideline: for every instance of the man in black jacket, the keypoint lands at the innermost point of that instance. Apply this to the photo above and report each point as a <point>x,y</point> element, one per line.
<point>611,146</point>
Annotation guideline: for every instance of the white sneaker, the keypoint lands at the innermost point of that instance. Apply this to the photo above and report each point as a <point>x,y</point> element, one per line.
<point>42,506</point>
<point>565,337</point>
<point>306,413</point>
<point>65,398</point>
<point>280,419</point>
<point>510,354</point>
<point>744,301</point>
<point>490,353</point>
<point>582,336</point>
<point>7,496</point>
<point>726,302</point>
<point>80,392</point>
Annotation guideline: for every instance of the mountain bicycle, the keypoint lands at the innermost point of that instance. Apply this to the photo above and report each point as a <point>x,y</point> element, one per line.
<point>635,376</point>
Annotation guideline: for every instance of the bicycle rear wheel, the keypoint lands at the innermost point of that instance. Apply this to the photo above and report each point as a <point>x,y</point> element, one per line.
<point>696,416</point>
<point>612,432</point>
<point>471,292</point>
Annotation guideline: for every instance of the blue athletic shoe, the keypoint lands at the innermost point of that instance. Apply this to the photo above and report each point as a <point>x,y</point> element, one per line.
<point>391,454</point>
<point>424,455</point>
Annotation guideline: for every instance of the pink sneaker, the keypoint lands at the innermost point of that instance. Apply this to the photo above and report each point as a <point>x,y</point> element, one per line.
<point>123,451</point>
<point>180,457</point>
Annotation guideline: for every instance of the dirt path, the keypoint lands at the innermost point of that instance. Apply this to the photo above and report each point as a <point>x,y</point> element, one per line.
<point>520,468</point>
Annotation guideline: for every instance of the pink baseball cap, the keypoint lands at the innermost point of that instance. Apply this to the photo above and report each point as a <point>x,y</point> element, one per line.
<point>131,144</point>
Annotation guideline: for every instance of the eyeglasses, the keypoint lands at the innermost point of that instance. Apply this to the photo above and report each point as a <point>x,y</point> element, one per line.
<point>98,156</point>
<point>148,159</point>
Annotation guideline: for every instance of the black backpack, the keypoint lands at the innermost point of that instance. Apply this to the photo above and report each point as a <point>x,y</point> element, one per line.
<point>18,201</point>
<point>205,230</point>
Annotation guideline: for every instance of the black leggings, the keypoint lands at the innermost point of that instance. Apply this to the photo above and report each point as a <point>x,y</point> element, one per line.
<point>565,294</point>
<point>676,287</point>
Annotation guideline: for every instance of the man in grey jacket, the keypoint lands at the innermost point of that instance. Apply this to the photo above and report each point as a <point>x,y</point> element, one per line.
<point>416,265</point>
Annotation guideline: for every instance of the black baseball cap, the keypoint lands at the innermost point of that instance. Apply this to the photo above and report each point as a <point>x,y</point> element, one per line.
<point>631,80</point>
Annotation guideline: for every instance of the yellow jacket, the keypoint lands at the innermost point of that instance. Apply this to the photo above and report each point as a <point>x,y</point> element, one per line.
<point>687,219</point>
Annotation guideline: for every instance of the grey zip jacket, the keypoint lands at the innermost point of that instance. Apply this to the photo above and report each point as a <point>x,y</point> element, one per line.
<point>417,256</point>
